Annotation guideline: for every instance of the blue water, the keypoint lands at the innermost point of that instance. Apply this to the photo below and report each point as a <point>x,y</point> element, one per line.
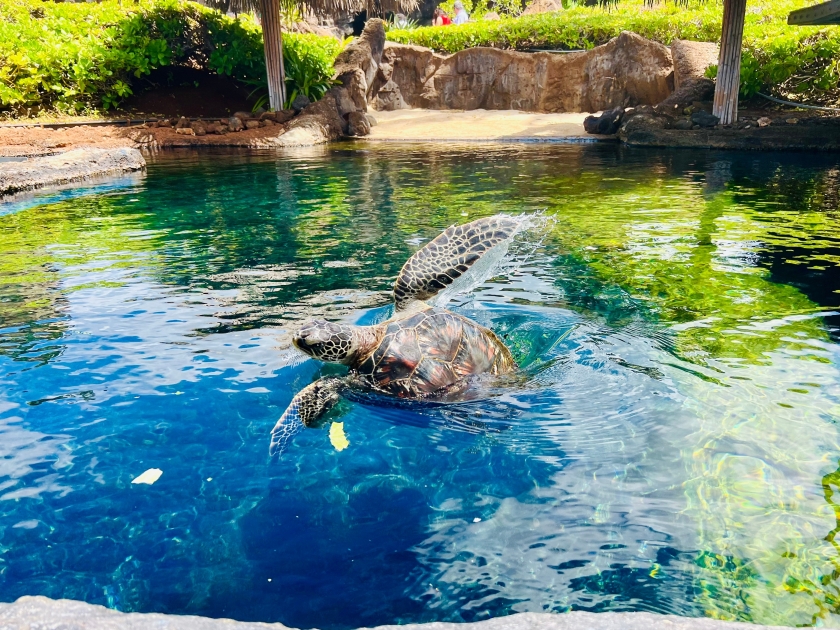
<point>670,445</point>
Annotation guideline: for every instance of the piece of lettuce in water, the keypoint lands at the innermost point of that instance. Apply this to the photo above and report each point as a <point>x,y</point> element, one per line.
<point>337,437</point>
<point>149,477</point>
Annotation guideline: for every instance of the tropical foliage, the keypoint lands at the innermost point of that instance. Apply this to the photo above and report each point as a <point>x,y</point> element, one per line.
<point>75,57</point>
<point>790,61</point>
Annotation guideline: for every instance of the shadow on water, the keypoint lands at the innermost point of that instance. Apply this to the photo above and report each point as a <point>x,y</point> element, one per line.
<point>669,445</point>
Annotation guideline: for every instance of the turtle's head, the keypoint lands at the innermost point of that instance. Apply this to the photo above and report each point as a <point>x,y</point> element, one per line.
<point>325,341</point>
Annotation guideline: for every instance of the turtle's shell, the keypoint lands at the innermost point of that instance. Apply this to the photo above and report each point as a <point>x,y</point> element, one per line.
<point>430,351</point>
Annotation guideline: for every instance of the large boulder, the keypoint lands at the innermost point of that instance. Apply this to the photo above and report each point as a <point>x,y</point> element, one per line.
<point>628,70</point>
<point>692,59</point>
<point>356,66</point>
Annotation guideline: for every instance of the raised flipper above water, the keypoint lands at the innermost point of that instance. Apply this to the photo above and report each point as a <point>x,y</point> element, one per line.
<point>448,257</point>
<point>306,408</point>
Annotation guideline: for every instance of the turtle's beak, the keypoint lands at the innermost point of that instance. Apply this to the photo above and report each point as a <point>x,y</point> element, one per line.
<point>307,337</point>
<point>299,342</point>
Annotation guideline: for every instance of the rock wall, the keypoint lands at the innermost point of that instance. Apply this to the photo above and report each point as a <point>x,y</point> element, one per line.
<point>628,70</point>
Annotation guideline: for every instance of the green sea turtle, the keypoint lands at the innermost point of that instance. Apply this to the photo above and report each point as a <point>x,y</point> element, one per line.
<point>422,352</point>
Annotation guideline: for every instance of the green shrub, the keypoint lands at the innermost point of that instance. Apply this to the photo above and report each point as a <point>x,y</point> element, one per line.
<point>73,57</point>
<point>309,66</point>
<point>787,60</point>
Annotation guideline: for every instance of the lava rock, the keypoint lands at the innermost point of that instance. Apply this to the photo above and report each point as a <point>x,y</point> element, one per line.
<point>284,115</point>
<point>694,93</point>
<point>182,122</point>
<point>764,121</point>
<point>682,123</point>
<point>605,124</point>
<point>164,123</point>
<point>357,124</point>
<point>704,119</point>
<point>198,128</point>
<point>267,116</point>
<point>235,124</point>
<point>252,124</point>
<point>243,116</point>
<point>301,101</point>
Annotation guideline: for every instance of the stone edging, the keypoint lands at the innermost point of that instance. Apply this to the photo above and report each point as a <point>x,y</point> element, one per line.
<point>28,613</point>
<point>71,166</point>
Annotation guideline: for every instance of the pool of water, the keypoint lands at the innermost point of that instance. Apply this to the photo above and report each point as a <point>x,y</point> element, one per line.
<point>672,444</point>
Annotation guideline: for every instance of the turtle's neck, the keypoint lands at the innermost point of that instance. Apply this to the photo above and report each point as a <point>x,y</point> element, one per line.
<point>366,339</point>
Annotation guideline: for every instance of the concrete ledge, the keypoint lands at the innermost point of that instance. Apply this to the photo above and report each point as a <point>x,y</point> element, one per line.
<point>71,166</point>
<point>30,613</point>
<point>821,136</point>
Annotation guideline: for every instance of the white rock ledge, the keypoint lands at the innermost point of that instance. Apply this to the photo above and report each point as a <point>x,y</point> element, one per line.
<point>70,166</point>
<point>42,613</point>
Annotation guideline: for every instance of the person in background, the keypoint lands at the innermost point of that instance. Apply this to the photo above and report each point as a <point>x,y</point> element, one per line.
<point>461,15</point>
<point>440,18</point>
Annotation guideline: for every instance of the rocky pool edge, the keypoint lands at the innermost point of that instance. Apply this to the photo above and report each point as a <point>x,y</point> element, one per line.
<point>71,166</point>
<point>42,612</point>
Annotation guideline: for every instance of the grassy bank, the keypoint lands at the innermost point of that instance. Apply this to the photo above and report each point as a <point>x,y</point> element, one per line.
<point>78,58</point>
<point>787,60</point>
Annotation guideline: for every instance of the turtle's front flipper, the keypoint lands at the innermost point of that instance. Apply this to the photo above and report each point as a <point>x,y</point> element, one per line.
<point>310,404</point>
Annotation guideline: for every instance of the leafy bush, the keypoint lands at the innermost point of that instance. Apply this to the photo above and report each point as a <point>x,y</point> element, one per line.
<point>309,66</point>
<point>73,57</point>
<point>786,60</point>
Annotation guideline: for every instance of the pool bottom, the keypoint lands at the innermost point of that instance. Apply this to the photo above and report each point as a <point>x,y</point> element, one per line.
<point>42,612</point>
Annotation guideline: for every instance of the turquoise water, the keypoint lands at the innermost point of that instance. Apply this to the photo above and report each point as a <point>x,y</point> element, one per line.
<point>671,444</point>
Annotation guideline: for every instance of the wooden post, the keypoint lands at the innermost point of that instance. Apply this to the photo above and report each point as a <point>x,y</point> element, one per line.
<point>273,38</point>
<point>729,63</point>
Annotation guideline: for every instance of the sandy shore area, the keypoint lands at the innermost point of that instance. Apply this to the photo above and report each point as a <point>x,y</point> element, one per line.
<point>425,125</point>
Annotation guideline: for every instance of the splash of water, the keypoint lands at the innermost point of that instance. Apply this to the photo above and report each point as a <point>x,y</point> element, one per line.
<point>501,259</point>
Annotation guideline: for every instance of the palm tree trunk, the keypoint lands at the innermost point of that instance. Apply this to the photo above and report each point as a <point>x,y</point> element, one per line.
<point>728,82</point>
<point>273,38</point>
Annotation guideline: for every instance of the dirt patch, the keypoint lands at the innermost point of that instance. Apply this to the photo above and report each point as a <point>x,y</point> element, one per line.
<point>178,91</point>
<point>31,141</point>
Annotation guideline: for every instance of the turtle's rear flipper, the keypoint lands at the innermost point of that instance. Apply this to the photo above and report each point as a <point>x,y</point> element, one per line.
<point>305,409</point>
<point>449,256</point>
